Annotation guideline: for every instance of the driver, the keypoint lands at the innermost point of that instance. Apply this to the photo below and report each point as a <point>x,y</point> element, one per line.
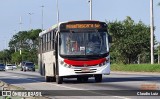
<point>93,46</point>
<point>90,47</point>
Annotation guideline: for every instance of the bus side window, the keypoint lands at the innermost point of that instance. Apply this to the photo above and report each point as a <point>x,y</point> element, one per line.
<point>53,37</point>
<point>40,44</point>
<point>49,41</point>
<point>44,43</point>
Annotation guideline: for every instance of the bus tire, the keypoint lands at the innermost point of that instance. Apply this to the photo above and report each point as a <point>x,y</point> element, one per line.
<point>47,78</point>
<point>59,79</point>
<point>54,70</point>
<point>98,78</point>
<point>43,70</point>
<point>53,79</point>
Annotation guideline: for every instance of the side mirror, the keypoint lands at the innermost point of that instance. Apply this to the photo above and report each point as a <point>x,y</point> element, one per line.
<point>110,39</point>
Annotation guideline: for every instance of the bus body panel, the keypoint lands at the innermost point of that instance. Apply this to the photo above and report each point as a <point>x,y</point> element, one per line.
<point>73,70</point>
<point>48,61</point>
<point>64,71</point>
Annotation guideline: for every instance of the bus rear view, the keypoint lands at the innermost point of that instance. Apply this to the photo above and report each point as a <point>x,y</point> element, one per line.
<point>81,51</point>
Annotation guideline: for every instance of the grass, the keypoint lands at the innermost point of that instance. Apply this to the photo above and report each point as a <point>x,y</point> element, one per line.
<point>36,66</point>
<point>136,67</point>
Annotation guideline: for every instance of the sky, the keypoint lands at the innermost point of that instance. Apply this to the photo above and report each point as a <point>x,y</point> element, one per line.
<point>12,11</point>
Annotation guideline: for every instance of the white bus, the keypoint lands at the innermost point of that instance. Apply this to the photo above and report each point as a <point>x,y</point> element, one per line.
<point>78,49</point>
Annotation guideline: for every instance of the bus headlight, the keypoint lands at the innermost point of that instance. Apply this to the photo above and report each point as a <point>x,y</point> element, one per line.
<point>67,65</point>
<point>61,62</point>
<point>104,63</point>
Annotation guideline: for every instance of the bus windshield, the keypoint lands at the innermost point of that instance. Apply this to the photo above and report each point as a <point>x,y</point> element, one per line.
<point>87,43</point>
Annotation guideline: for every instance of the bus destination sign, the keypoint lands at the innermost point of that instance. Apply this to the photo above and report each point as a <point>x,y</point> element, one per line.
<point>83,26</point>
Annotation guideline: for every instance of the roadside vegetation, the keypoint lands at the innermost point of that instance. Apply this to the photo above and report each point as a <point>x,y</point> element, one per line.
<point>131,41</point>
<point>23,46</point>
<point>136,67</point>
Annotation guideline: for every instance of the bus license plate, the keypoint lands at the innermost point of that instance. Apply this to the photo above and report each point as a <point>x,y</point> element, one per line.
<point>86,70</point>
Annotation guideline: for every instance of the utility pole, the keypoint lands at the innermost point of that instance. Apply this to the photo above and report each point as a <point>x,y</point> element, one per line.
<point>14,45</point>
<point>158,52</point>
<point>20,24</point>
<point>152,31</point>
<point>90,2</point>
<point>42,16</point>
<point>20,29</point>
<point>30,20</point>
<point>57,13</point>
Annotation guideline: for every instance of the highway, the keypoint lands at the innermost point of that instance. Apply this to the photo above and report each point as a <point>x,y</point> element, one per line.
<point>115,81</point>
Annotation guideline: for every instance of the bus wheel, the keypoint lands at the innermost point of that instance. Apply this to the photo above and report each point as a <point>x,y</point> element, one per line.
<point>59,79</point>
<point>53,79</point>
<point>98,78</point>
<point>44,70</point>
<point>47,78</point>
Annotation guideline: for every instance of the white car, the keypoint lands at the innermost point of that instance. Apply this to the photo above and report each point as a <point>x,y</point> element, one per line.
<point>14,66</point>
<point>10,67</point>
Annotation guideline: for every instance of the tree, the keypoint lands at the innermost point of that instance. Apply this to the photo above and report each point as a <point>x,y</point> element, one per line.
<point>5,56</point>
<point>16,57</point>
<point>27,41</point>
<point>130,40</point>
<point>33,36</point>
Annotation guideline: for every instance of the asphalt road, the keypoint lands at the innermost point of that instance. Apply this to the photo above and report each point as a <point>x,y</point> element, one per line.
<point>115,81</point>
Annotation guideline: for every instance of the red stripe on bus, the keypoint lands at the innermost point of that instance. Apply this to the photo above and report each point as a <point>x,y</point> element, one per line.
<point>87,63</point>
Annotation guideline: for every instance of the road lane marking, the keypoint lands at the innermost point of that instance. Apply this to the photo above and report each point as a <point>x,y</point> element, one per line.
<point>120,97</point>
<point>90,91</point>
<point>32,80</point>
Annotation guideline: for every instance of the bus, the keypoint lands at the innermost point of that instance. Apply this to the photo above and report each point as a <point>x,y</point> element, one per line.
<point>74,49</point>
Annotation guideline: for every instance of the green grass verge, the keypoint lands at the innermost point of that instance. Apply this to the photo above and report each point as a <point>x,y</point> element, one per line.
<point>36,66</point>
<point>136,67</point>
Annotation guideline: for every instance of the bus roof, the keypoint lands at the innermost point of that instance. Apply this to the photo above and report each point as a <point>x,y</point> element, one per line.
<point>56,25</point>
<point>45,31</point>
